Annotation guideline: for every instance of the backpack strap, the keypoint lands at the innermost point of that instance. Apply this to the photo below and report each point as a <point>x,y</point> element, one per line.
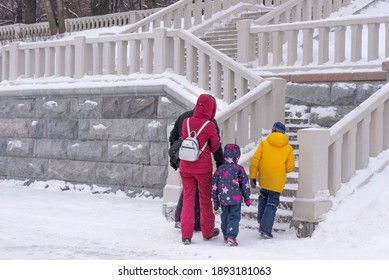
<point>201,128</point>
<point>187,126</point>
<point>198,132</point>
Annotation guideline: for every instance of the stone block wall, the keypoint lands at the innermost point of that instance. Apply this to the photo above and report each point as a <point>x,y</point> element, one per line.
<point>336,98</point>
<point>115,139</point>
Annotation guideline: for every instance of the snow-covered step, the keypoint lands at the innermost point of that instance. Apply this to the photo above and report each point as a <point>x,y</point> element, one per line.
<point>221,33</point>
<point>293,121</point>
<point>253,224</point>
<point>219,38</point>
<point>282,215</point>
<point>226,31</point>
<point>222,42</point>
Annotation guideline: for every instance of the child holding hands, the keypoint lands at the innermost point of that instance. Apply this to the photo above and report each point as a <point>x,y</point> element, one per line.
<point>230,187</point>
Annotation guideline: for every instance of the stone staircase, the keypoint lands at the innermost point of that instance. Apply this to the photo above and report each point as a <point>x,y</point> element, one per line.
<point>224,37</point>
<point>296,117</point>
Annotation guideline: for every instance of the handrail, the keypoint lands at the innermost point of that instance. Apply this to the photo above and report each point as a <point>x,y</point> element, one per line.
<point>314,24</point>
<point>176,12</point>
<point>347,34</point>
<point>183,14</point>
<point>289,12</point>
<point>116,19</point>
<point>219,56</point>
<point>301,10</point>
<point>153,53</point>
<point>330,157</point>
<point>258,92</point>
<point>359,114</point>
<point>31,31</point>
<point>145,23</point>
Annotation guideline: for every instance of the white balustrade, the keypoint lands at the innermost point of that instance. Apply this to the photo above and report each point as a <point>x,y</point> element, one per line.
<point>330,157</point>
<point>186,14</point>
<point>288,12</point>
<point>32,31</point>
<point>332,38</point>
<point>154,53</point>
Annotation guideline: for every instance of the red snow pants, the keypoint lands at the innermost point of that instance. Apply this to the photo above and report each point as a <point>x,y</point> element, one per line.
<point>207,218</point>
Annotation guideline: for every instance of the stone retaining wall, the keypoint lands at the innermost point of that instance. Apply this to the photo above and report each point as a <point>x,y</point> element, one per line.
<point>115,139</point>
<point>338,98</point>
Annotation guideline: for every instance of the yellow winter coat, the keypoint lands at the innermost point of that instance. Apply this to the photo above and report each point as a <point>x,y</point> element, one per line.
<point>271,161</point>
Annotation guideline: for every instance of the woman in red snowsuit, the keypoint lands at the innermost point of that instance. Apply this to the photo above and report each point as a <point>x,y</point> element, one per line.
<point>199,173</point>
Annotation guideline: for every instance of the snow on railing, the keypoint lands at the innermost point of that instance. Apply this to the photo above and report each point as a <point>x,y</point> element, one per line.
<point>18,32</point>
<point>338,41</point>
<point>302,10</point>
<point>243,120</point>
<point>330,157</point>
<point>117,19</point>
<point>182,14</point>
<point>289,12</point>
<point>186,14</point>
<point>152,53</point>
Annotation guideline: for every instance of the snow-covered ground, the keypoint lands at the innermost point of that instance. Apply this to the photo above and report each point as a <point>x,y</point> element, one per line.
<point>42,222</point>
<point>109,233</point>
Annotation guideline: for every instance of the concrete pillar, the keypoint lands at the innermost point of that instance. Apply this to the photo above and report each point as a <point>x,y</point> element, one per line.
<point>148,54</point>
<point>39,62</point>
<point>97,57</point>
<point>340,43</point>
<point>356,43</point>
<point>5,62</point>
<point>277,40</point>
<point>108,58</point>
<point>324,44</point>
<point>122,68</point>
<point>197,12</point>
<point>164,51</point>
<point>204,70</point>
<point>307,10</point>
<point>69,61</point>
<point>172,189</point>
<point>59,61</point>
<point>312,199</point>
<point>292,47</point>
<point>29,65</point>
<point>387,39</point>
<point>263,48</point>
<point>317,9</point>
<point>135,56</point>
<point>307,46</point>
<point>49,61</point>
<point>16,61</point>
<point>362,156</point>
<point>277,102</point>
<point>373,38</point>
<point>376,131</point>
<point>79,54</point>
<point>246,41</point>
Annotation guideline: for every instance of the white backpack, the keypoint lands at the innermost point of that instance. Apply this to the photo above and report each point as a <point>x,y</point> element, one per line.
<point>189,149</point>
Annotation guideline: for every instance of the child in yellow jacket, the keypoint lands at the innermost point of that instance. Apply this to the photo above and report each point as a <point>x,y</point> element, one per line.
<point>270,163</point>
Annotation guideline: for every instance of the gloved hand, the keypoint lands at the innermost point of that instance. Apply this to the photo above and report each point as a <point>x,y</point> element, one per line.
<point>253,183</point>
<point>248,202</point>
<point>173,165</point>
<point>215,206</point>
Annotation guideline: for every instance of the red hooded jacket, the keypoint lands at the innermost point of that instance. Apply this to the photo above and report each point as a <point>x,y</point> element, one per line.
<point>204,110</point>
